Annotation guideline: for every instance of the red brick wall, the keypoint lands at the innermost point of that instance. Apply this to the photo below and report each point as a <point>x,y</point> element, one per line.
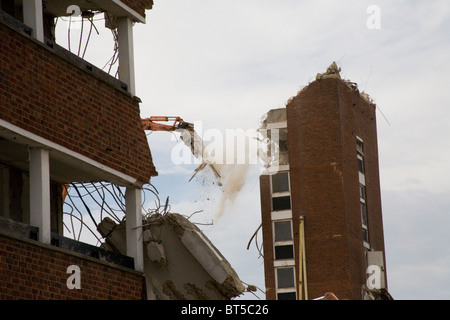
<point>323,122</point>
<point>317,186</point>
<point>266,208</point>
<point>358,118</point>
<point>47,95</point>
<point>33,272</point>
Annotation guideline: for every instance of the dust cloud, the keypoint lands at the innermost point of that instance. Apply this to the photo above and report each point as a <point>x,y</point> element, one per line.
<point>234,179</point>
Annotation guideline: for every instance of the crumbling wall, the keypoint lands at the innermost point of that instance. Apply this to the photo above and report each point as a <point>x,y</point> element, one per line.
<point>46,92</point>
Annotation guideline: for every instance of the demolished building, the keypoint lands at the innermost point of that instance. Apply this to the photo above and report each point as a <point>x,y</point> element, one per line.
<point>320,194</point>
<point>61,120</point>
<point>64,120</point>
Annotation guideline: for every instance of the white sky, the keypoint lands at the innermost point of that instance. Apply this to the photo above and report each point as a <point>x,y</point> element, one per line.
<point>226,63</point>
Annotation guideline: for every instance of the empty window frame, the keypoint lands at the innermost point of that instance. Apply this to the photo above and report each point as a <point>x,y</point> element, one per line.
<point>359,146</point>
<point>280,182</point>
<point>278,147</point>
<point>285,278</point>
<point>283,241</point>
<point>361,164</point>
<point>362,192</point>
<point>287,295</point>
<point>283,252</point>
<point>282,230</point>
<point>281,203</point>
<point>364,223</point>
<point>365,233</point>
<point>363,214</point>
<point>363,210</point>
<point>360,154</point>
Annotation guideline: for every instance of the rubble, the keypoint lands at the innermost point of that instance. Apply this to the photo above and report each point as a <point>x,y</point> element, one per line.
<point>333,71</point>
<point>180,262</point>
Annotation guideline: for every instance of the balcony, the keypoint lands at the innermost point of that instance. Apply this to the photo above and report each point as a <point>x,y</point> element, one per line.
<point>64,120</point>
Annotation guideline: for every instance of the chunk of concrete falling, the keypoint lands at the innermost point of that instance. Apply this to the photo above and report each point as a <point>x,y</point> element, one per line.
<point>181,262</point>
<point>193,141</point>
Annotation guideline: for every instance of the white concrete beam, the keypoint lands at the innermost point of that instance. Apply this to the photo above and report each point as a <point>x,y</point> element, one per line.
<point>40,192</point>
<point>33,17</point>
<point>65,155</point>
<point>134,227</point>
<point>126,53</point>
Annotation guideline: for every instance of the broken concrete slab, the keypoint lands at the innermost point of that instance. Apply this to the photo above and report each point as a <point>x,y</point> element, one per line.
<point>180,262</point>
<point>156,254</point>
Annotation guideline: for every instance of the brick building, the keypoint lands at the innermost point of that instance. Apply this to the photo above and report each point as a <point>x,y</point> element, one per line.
<point>320,197</point>
<point>64,120</point>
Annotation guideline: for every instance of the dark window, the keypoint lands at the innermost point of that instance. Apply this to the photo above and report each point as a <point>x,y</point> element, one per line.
<point>363,213</point>
<point>280,182</point>
<point>365,233</point>
<point>283,231</point>
<point>286,296</point>
<point>360,164</point>
<point>283,132</point>
<point>359,147</point>
<point>360,155</point>
<point>284,252</point>
<point>285,277</point>
<point>281,203</point>
<point>362,192</point>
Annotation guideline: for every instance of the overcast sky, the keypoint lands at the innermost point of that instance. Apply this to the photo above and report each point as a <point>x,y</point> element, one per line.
<point>226,63</point>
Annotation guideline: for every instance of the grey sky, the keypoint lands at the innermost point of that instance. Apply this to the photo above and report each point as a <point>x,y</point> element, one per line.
<point>226,63</point>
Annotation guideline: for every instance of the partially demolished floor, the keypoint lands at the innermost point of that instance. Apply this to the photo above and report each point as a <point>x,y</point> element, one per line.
<point>180,262</point>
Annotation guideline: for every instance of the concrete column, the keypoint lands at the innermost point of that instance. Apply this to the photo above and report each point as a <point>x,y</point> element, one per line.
<point>134,226</point>
<point>126,53</point>
<point>33,17</point>
<point>40,192</point>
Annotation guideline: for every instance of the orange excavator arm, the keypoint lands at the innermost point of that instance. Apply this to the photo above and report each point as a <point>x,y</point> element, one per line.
<point>152,123</point>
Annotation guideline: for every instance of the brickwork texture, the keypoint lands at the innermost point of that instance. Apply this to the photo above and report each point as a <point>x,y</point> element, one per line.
<point>323,122</point>
<point>34,272</point>
<point>48,96</point>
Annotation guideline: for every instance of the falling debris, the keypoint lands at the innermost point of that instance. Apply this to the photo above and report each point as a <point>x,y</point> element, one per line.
<point>192,140</point>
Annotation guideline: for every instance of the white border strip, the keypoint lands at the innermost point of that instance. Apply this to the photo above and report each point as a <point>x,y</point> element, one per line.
<point>35,140</point>
<point>130,11</point>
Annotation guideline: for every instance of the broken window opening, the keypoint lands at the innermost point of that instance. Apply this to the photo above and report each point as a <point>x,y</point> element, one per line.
<point>287,295</point>
<point>360,154</point>
<point>363,214</point>
<point>280,182</point>
<point>283,230</point>
<point>285,277</point>
<point>362,192</point>
<point>76,32</point>
<point>360,164</point>
<point>281,203</point>
<point>284,252</point>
